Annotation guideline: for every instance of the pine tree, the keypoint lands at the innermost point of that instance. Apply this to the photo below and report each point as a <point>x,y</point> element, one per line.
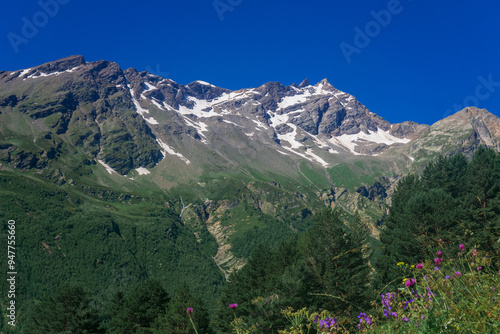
<point>454,200</point>
<point>70,310</point>
<point>337,262</point>
<point>139,308</point>
<point>175,319</point>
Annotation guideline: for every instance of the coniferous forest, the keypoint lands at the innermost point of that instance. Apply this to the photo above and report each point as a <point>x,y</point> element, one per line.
<point>435,267</point>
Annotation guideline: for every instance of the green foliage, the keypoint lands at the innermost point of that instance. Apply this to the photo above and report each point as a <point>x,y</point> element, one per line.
<point>176,319</point>
<point>326,267</point>
<point>336,259</point>
<point>64,237</point>
<point>69,310</point>
<point>462,296</point>
<point>136,312</point>
<point>453,199</point>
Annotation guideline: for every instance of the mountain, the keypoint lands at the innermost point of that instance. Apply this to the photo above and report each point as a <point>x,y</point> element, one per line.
<point>238,167</point>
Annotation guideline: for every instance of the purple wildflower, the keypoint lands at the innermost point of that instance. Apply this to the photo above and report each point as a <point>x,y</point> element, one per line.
<point>189,311</point>
<point>233,305</point>
<point>409,282</point>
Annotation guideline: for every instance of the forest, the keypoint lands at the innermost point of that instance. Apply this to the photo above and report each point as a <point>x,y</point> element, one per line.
<point>435,268</point>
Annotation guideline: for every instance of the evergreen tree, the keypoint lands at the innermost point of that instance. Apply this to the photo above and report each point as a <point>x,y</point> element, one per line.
<point>136,312</point>
<point>454,200</point>
<point>175,319</point>
<point>270,281</point>
<point>70,310</point>
<point>340,271</point>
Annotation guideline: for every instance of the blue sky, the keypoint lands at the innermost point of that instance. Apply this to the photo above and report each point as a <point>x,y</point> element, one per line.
<point>420,61</point>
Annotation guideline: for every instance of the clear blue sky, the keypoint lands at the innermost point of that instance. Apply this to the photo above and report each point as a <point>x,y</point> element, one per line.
<point>429,57</point>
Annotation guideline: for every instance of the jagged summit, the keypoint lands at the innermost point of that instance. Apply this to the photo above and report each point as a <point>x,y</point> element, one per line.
<point>130,119</point>
<point>304,83</point>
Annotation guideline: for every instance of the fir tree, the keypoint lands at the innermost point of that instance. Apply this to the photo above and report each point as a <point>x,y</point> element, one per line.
<point>136,312</point>
<point>176,320</point>
<point>70,310</point>
<point>340,271</point>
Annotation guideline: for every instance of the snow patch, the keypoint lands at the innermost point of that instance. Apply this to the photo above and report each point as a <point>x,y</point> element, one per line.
<point>199,108</point>
<point>141,111</point>
<point>200,126</point>
<point>204,83</point>
<point>290,137</point>
<point>24,72</point>
<point>229,122</point>
<point>171,151</point>
<point>259,124</point>
<point>309,155</point>
<point>379,137</point>
<point>108,168</point>
<point>142,171</point>
<point>160,106</point>
<point>149,86</point>
<point>289,101</point>
<point>41,74</point>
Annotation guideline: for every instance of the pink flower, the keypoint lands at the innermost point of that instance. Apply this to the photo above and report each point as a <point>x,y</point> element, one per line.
<point>440,240</point>
<point>479,268</point>
<point>440,254</point>
<point>437,261</point>
<point>462,247</point>
<point>409,282</point>
<point>419,266</point>
<point>233,306</point>
<point>474,252</point>
<point>458,273</point>
<point>189,311</point>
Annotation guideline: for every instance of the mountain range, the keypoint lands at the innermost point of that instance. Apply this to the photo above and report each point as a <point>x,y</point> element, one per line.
<point>231,162</point>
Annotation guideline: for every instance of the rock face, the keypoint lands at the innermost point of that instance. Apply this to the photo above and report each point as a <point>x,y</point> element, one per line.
<point>131,120</point>
<point>462,132</point>
<point>88,104</point>
<point>408,129</point>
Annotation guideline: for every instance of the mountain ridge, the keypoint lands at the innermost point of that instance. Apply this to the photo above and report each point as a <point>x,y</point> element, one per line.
<point>97,104</point>
<point>275,152</point>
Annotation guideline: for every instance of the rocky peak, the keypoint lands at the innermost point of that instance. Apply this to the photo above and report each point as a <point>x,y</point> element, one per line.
<point>304,83</point>
<point>325,85</point>
<point>408,129</point>
<point>205,91</point>
<point>61,65</point>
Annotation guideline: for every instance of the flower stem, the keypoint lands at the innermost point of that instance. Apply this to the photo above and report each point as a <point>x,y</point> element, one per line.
<point>192,323</point>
